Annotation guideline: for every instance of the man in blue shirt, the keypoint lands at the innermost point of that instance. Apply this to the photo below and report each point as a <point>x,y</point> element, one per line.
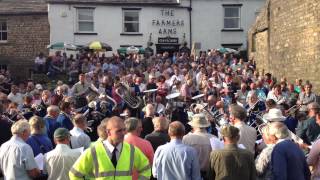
<point>287,159</point>
<point>175,160</point>
<point>51,121</point>
<point>64,116</point>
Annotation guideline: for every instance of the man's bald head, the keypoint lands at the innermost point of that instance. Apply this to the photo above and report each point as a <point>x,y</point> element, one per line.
<point>113,121</point>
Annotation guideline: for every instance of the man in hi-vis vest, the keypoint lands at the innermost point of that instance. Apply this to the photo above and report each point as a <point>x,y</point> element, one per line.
<point>111,158</point>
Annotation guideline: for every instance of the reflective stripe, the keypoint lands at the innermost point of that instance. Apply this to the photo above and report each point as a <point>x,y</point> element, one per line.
<point>76,173</point>
<point>114,173</point>
<point>143,178</point>
<point>132,149</point>
<point>95,161</point>
<point>144,169</point>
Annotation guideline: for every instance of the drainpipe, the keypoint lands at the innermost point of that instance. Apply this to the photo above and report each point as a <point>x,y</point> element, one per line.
<point>190,20</point>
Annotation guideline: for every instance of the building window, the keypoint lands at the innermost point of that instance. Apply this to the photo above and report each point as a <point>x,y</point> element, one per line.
<point>131,21</point>
<point>231,17</point>
<point>3,31</point>
<point>85,19</point>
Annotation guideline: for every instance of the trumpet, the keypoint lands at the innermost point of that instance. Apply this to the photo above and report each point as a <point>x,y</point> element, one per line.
<point>124,92</point>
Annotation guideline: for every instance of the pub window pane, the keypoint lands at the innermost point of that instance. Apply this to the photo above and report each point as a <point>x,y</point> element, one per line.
<point>131,21</point>
<point>131,27</point>
<point>232,17</point>
<point>85,20</point>
<point>232,12</point>
<point>85,26</point>
<point>131,16</point>
<point>231,23</point>
<point>86,14</point>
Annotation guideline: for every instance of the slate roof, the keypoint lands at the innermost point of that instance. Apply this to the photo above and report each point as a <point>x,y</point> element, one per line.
<point>141,2</point>
<point>22,7</point>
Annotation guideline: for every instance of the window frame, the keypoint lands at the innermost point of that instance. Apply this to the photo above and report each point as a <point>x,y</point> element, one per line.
<point>138,10</point>
<point>2,31</point>
<point>78,20</point>
<point>238,18</point>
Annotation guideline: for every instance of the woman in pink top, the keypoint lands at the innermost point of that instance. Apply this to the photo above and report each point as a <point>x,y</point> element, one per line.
<point>134,128</point>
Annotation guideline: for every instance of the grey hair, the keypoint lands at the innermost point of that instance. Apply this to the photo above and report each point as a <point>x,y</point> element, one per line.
<point>160,123</point>
<point>252,93</point>
<point>52,108</point>
<point>20,126</point>
<point>279,130</point>
<point>131,124</point>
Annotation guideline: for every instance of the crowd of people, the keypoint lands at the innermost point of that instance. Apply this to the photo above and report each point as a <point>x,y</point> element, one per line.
<point>166,117</point>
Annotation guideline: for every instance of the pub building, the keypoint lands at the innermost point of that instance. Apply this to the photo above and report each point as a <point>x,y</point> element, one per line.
<point>159,25</point>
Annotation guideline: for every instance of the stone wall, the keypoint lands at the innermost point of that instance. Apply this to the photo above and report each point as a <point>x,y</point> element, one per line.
<point>27,36</point>
<point>285,40</point>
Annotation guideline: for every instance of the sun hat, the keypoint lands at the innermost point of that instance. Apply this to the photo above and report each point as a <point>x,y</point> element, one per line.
<point>274,114</point>
<point>199,120</point>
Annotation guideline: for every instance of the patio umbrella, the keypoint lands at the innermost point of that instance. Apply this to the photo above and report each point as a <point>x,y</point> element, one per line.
<point>132,49</point>
<point>97,45</point>
<point>232,50</point>
<point>62,46</point>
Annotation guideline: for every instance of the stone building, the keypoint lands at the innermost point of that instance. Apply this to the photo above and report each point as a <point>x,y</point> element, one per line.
<point>285,40</point>
<point>24,32</point>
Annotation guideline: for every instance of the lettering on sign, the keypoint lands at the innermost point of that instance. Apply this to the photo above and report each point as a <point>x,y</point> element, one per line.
<point>168,40</point>
<point>168,24</point>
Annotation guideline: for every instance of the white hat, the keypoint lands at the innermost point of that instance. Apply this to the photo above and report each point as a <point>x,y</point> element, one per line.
<point>274,114</point>
<point>199,120</point>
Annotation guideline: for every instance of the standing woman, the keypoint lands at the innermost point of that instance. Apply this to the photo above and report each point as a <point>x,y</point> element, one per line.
<point>38,140</point>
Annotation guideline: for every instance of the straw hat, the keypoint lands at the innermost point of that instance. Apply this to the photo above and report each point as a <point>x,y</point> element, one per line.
<point>199,120</point>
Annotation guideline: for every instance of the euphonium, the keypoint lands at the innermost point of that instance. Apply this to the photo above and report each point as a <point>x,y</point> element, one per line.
<point>124,92</point>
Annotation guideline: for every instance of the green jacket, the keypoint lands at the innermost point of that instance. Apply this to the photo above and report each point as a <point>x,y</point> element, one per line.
<point>232,163</point>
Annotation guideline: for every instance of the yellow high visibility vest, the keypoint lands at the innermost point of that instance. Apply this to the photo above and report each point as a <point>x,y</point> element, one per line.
<point>95,163</point>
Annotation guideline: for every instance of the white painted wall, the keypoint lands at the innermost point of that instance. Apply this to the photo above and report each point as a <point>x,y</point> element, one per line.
<point>207,22</point>
<point>108,25</point>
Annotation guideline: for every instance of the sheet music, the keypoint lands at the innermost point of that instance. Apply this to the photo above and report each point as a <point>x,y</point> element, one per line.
<point>40,161</point>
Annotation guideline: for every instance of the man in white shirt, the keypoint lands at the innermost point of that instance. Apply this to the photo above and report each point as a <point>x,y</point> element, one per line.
<point>200,140</point>
<point>277,95</point>
<point>15,96</point>
<point>58,162</point>
<point>16,156</point>
<point>79,138</point>
<point>248,135</point>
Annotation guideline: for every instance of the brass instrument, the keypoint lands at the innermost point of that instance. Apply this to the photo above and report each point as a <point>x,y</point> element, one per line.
<point>294,137</point>
<point>293,110</point>
<point>216,116</point>
<point>104,102</point>
<point>124,92</point>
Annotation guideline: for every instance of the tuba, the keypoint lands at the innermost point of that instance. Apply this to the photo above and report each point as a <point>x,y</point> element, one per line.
<point>124,92</point>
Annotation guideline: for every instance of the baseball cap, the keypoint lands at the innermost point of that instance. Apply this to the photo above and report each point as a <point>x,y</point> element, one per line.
<point>61,133</point>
